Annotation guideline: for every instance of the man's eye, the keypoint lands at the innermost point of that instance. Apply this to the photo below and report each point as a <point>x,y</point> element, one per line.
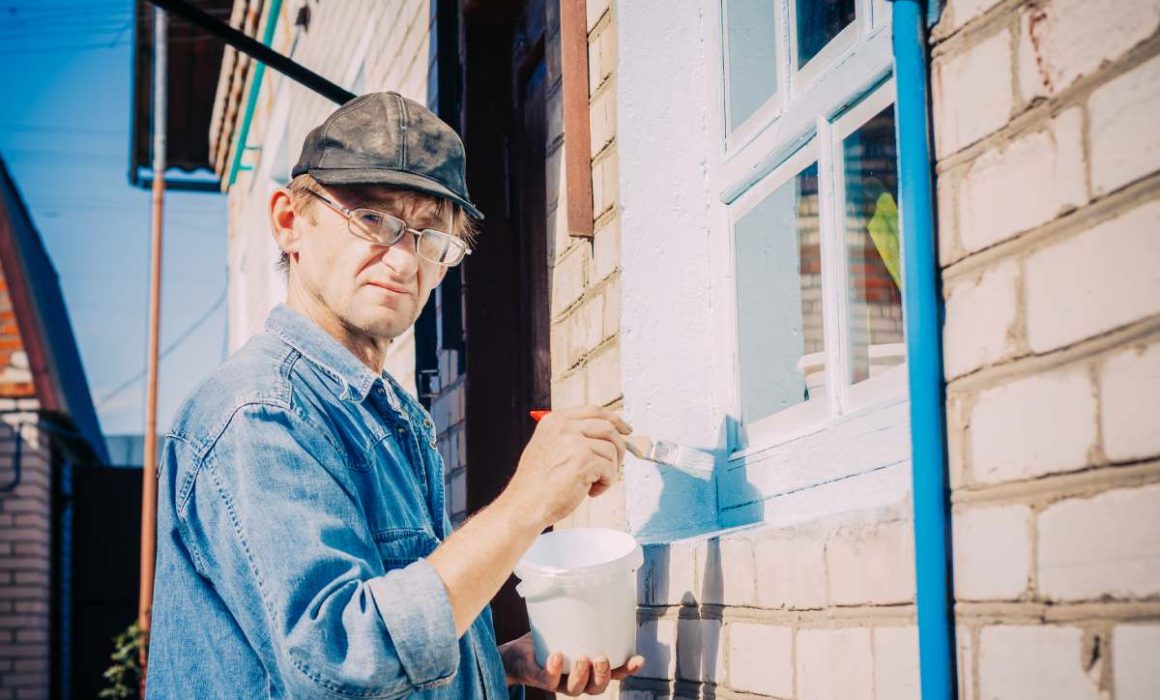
<point>370,220</point>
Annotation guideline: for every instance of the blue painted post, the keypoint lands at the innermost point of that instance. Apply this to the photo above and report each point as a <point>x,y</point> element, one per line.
<point>923,313</point>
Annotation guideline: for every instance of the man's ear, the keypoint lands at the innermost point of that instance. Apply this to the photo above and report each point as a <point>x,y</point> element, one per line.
<point>282,218</point>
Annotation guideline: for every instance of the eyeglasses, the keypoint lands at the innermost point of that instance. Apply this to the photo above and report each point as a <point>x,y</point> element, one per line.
<point>383,229</point>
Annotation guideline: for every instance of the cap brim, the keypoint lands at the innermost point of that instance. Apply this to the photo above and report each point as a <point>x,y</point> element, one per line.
<point>377,176</point>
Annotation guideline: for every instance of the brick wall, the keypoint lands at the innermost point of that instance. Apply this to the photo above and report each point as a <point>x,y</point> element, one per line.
<point>25,524</point>
<point>585,274</point>
<point>1049,205</point>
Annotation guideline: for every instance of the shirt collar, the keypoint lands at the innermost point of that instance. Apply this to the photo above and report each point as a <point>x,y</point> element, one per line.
<point>322,349</point>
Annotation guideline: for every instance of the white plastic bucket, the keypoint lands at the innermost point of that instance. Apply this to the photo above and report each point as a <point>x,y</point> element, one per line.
<point>580,589</point>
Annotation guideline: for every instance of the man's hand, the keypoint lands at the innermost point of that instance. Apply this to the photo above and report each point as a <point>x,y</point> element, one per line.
<point>574,453</point>
<point>586,677</point>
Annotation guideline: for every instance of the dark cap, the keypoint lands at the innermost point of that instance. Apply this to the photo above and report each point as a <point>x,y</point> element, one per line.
<point>385,139</point>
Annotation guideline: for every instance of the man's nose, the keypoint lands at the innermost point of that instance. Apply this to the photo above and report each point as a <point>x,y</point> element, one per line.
<point>402,256</point>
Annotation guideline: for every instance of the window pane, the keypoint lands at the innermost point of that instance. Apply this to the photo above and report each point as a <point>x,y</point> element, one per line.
<point>872,244</point>
<point>819,21</point>
<point>779,299</point>
<point>752,69</point>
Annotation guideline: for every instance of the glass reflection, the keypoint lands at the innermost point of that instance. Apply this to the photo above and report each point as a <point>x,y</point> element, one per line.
<point>818,22</point>
<point>779,299</point>
<point>752,64</point>
<point>876,340</point>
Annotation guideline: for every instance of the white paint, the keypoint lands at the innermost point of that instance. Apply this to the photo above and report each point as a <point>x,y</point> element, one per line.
<point>668,352</point>
<point>678,291</point>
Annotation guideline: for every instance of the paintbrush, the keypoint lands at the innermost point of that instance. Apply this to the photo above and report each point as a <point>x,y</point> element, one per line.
<point>689,460</point>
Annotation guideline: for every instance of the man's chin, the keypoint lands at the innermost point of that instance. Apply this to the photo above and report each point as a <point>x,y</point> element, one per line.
<point>385,324</point>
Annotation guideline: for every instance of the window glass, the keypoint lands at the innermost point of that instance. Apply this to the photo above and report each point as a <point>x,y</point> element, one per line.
<point>779,299</point>
<point>752,63</point>
<point>872,247</point>
<point>818,22</point>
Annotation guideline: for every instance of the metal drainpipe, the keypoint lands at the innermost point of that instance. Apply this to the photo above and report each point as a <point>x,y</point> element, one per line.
<point>923,312</point>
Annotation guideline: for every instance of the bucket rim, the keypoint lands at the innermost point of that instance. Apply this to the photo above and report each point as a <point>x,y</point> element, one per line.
<point>525,569</point>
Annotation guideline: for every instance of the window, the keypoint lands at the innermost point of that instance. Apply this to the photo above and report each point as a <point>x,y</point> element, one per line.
<point>808,188</point>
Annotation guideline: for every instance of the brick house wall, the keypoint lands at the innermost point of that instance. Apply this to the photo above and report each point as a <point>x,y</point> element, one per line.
<point>25,524</point>
<point>1047,188</point>
<point>1049,207</point>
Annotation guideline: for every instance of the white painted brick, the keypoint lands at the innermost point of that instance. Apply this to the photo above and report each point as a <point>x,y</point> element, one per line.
<point>872,565</point>
<point>602,52</point>
<point>1130,403</point>
<point>1033,426</point>
<point>611,296</point>
<point>896,663</point>
<point>570,391</point>
<point>459,493</point>
<point>666,577</point>
<point>585,325</point>
<point>569,277</point>
<point>1101,279</point>
<point>608,509</point>
<point>1135,649</point>
<point>1125,143</point>
<point>1107,545</point>
<point>1042,662</point>
<point>725,568</point>
<point>834,664</point>
<point>603,370</point>
<point>1025,184</point>
<point>656,641</point>
<point>959,12</point>
<point>965,656</point>
<point>606,254</point>
<point>790,571</point>
<point>602,120</point>
<point>992,551</point>
<point>980,320</point>
<point>700,652</point>
<point>1063,40</point>
<point>761,659</point>
<point>595,10</point>
<point>972,93</point>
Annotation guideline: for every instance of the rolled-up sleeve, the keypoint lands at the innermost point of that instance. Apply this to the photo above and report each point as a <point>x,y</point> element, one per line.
<point>423,628</point>
<point>276,524</point>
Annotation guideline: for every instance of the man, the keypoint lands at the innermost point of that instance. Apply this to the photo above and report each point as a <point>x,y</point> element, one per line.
<point>303,546</point>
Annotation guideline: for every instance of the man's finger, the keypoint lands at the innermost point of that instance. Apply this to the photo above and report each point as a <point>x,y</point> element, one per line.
<point>601,676</point>
<point>604,430</point>
<point>578,676</point>
<point>607,468</point>
<point>631,667</point>
<point>582,412</point>
<point>552,671</point>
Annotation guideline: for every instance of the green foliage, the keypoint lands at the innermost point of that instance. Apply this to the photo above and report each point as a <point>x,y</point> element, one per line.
<point>124,676</point>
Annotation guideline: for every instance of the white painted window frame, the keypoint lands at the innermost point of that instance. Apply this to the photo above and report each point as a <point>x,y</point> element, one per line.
<point>805,120</point>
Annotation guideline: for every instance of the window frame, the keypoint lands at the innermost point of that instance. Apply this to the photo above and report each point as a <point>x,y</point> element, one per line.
<point>845,84</point>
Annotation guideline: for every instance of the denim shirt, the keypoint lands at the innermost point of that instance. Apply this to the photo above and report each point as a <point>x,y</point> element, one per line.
<point>299,494</point>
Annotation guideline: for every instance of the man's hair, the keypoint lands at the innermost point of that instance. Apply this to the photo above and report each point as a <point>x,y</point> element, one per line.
<point>304,205</point>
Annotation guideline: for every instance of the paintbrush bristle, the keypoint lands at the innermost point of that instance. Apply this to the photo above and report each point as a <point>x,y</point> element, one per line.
<point>691,461</point>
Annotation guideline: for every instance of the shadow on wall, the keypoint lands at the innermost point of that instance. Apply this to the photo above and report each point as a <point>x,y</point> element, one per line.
<point>683,653</point>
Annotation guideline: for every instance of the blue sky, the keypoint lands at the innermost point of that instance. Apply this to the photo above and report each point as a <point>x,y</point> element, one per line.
<point>65,91</point>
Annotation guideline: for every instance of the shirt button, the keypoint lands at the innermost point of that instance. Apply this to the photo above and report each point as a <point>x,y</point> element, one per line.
<point>427,422</point>
<point>402,431</point>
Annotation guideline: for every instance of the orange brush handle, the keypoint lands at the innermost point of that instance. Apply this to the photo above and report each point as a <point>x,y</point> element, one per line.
<point>538,415</point>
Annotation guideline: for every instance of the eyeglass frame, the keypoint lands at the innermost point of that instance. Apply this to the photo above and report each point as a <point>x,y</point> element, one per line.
<point>419,233</point>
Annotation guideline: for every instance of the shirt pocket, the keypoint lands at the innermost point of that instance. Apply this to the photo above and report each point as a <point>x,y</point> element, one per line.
<point>399,547</point>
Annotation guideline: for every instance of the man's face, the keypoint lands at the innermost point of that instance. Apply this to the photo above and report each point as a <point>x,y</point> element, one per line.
<point>371,290</point>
